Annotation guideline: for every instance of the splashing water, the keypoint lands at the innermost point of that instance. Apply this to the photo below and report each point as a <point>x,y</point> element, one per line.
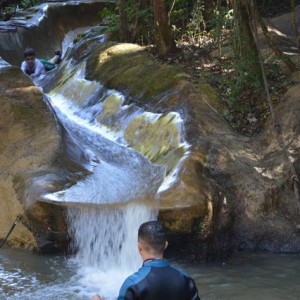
<point>106,241</point>
<point>106,208</point>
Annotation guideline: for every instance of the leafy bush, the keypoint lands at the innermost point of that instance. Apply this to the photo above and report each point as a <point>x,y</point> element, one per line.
<point>28,3</point>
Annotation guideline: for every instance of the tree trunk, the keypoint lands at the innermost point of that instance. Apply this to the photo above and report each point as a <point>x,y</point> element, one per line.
<point>294,23</point>
<point>123,29</point>
<point>219,26</point>
<point>135,29</point>
<point>245,48</point>
<point>164,42</point>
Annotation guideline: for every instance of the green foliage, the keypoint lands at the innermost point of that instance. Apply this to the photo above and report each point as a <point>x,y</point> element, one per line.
<point>244,106</point>
<point>109,14</point>
<point>107,11</point>
<point>180,15</point>
<point>246,78</point>
<point>139,19</point>
<point>28,3</point>
<point>9,9</point>
<point>199,20</point>
<point>141,22</point>
<point>197,25</point>
<point>221,19</point>
<point>272,70</point>
<point>208,22</point>
<point>236,84</point>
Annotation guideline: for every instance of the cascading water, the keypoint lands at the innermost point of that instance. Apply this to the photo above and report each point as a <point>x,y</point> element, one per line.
<point>106,243</point>
<point>119,191</point>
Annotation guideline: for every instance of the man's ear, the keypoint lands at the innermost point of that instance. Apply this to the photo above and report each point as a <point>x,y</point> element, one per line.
<point>166,244</point>
<point>140,247</point>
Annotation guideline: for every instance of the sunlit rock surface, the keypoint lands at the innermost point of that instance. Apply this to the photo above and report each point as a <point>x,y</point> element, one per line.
<point>232,191</point>
<point>29,149</point>
<point>229,192</point>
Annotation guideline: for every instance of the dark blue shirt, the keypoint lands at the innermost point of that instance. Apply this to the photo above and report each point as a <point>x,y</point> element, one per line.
<point>157,280</point>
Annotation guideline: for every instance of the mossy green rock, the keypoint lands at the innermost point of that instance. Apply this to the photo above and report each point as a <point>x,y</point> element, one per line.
<point>127,67</point>
<point>228,182</point>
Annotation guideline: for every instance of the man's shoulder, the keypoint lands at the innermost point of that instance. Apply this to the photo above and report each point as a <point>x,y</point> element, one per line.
<point>133,280</point>
<point>138,276</point>
<point>180,271</point>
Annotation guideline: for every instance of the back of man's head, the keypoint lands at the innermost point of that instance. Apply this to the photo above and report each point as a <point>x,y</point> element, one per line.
<point>153,237</point>
<point>29,52</point>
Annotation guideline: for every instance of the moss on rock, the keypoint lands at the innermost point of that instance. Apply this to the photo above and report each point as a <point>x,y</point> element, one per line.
<point>128,68</point>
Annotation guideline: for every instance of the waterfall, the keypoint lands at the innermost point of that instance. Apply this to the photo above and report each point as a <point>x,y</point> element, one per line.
<point>106,244</point>
<point>116,144</point>
<point>120,157</point>
<point>107,206</point>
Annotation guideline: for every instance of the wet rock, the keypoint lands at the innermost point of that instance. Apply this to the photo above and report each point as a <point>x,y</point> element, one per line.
<point>50,23</point>
<point>232,192</point>
<point>30,147</point>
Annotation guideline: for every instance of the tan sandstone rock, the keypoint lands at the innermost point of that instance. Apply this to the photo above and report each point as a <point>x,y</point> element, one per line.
<point>29,146</point>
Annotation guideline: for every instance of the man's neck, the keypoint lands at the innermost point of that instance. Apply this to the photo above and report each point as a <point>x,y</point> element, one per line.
<point>149,260</point>
<point>148,256</point>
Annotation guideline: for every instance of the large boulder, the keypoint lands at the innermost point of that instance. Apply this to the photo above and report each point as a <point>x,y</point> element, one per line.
<point>233,192</point>
<point>30,151</point>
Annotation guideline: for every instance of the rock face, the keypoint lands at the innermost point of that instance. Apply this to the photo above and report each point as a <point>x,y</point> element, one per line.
<point>44,27</point>
<point>33,160</point>
<point>29,151</point>
<point>232,192</point>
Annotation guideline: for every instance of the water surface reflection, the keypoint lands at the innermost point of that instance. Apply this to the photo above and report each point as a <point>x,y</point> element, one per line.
<point>265,276</point>
<point>248,276</point>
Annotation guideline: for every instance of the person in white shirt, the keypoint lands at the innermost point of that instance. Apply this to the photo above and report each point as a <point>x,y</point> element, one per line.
<point>31,65</point>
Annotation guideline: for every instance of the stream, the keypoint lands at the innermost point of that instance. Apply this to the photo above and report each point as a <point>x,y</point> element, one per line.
<point>250,275</point>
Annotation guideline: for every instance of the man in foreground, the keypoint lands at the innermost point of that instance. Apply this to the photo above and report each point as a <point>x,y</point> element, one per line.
<point>31,65</point>
<point>156,279</point>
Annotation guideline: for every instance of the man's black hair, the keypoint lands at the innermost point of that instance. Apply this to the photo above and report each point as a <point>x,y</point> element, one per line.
<point>153,234</point>
<point>29,52</point>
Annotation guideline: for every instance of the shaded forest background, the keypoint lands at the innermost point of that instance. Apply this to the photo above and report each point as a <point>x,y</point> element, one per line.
<point>218,41</point>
